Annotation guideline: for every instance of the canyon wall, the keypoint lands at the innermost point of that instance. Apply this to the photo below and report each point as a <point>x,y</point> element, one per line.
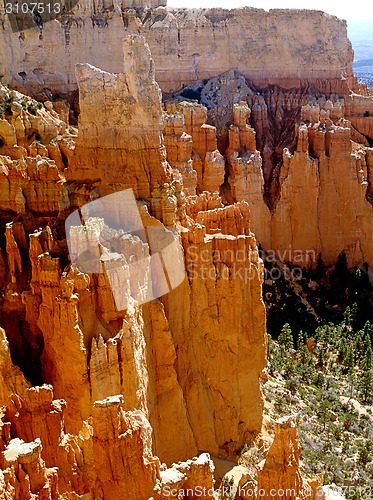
<point>322,188</point>
<point>295,157</point>
<point>291,48</point>
<point>277,62</point>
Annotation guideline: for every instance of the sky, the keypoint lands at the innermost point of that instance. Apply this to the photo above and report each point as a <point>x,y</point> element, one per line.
<point>349,10</point>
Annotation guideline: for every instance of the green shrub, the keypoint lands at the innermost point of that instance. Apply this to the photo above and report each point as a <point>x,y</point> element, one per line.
<point>364,456</point>
<point>32,109</point>
<point>319,379</point>
<point>4,109</point>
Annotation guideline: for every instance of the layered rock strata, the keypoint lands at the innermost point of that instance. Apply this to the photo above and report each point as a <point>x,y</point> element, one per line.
<point>305,190</point>
<point>207,161</point>
<point>165,369</point>
<point>187,45</point>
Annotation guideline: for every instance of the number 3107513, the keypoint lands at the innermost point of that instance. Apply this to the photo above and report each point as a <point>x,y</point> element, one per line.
<point>40,8</point>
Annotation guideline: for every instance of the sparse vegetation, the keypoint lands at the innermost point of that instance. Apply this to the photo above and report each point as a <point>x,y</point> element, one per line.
<point>31,108</point>
<point>330,390</point>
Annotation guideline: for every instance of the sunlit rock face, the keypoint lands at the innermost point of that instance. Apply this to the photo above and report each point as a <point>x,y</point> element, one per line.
<point>136,373</point>
<point>284,47</point>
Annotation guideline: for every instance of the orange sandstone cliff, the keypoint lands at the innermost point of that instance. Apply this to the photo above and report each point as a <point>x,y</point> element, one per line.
<point>286,47</point>
<point>153,379</point>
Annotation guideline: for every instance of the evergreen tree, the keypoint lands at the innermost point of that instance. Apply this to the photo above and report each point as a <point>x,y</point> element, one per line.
<point>368,329</point>
<point>305,355</point>
<point>343,349</point>
<point>318,333</point>
<point>364,455</point>
<point>302,338</point>
<point>366,386</point>
<point>323,412</point>
<point>319,379</point>
<point>321,357</point>
<point>367,356</point>
<point>350,315</point>
<point>358,344</point>
<point>286,337</point>
<point>327,335</point>
<point>350,360</point>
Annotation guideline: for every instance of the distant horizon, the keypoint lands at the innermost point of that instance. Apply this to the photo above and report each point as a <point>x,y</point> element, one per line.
<point>334,7</point>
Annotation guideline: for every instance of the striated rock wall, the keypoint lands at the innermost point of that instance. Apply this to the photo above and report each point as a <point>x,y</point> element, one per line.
<point>125,145</point>
<point>300,47</point>
<point>322,188</point>
<point>304,169</point>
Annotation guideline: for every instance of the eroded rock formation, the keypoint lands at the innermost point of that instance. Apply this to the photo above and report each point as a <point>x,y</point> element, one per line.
<point>280,470</point>
<point>318,189</point>
<point>152,380</point>
<point>147,364</point>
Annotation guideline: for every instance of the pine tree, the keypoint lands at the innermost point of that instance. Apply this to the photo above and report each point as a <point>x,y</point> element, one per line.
<point>302,338</point>
<point>350,315</point>
<point>364,456</point>
<point>305,355</point>
<point>327,334</point>
<point>318,333</point>
<point>286,337</point>
<point>366,386</point>
<point>350,360</point>
<point>343,349</point>
<point>368,329</point>
<point>367,356</point>
<point>323,412</point>
<point>321,357</point>
<point>358,344</point>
